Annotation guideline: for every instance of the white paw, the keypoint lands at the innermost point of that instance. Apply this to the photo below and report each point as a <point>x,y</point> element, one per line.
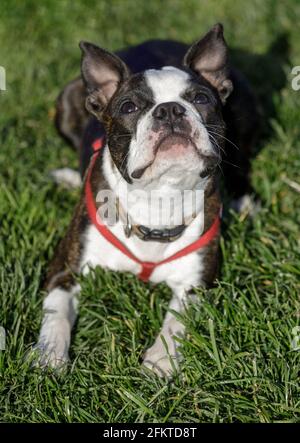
<point>66,176</point>
<point>245,205</point>
<point>160,361</point>
<point>47,355</point>
<point>52,348</point>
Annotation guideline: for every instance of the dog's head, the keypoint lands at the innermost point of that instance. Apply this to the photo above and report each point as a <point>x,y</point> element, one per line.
<point>161,124</point>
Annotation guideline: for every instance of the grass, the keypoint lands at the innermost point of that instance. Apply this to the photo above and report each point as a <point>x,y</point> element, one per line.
<point>239,363</point>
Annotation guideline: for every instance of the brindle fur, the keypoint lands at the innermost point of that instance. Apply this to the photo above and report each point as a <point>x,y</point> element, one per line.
<point>240,118</point>
<point>71,115</point>
<point>74,123</point>
<point>66,259</point>
<point>240,113</point>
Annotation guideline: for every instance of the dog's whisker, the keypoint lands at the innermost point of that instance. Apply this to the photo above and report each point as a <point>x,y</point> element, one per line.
<point>217,144</point>
<point>220,167</point>
<point>215,126</point>
<point>225,138</point>
<point>231,164</point>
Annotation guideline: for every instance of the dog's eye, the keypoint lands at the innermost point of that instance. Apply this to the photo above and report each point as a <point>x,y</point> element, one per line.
<point>200,99</point>
<point>128,107</point>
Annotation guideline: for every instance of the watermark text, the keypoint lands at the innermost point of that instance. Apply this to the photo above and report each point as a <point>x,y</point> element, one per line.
<point>2,79</point>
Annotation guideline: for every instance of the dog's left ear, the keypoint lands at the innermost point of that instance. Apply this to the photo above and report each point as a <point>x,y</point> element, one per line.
<point>102,73</point>
<point>208,57</point>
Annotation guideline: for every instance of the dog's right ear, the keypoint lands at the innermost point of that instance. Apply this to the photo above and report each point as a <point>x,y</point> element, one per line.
<point>102,73</point>
<point>208,58</point>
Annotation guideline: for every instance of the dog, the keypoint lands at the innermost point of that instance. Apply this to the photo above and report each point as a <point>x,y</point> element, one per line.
<point>159,117</point>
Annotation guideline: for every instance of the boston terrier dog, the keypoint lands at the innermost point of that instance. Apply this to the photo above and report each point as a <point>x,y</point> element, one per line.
<point>161,117</point>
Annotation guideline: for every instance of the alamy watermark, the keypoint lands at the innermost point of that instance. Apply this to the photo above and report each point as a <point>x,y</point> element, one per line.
<point>2,338</point>
<point>2,79</point>
<point>151,208</point>
<point>295,343</point>
<point>296,78</point>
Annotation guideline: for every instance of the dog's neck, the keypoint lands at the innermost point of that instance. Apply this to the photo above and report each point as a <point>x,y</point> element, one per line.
<point>156,203</point>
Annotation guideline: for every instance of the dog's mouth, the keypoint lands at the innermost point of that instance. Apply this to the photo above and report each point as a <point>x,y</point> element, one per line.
<point>165,143</point>
<point>180,142</point>
<point>172,140</point>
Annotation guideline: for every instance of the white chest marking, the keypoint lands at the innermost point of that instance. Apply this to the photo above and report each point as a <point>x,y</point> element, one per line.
<point>185,271</point>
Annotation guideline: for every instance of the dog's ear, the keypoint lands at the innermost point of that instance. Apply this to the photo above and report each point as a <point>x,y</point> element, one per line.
<point>208,57</point>
<point>102,73</point>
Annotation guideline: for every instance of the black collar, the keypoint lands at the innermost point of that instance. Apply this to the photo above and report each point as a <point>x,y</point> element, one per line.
<point>160,235</point>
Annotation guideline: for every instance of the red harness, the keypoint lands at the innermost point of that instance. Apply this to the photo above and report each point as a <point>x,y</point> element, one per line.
<point>147,267</point>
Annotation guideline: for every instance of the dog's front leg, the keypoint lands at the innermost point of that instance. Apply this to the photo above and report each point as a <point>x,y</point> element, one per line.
<point>163,357</point>
<point>60,310</point>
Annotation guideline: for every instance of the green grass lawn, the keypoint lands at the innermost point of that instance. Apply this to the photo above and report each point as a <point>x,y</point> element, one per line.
<point>239,363</point>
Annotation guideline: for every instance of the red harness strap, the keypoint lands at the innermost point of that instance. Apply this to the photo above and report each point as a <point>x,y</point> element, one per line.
<point>147,267</point>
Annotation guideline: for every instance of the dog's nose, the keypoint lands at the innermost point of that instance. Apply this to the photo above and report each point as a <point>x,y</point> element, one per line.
<point>169,111</point>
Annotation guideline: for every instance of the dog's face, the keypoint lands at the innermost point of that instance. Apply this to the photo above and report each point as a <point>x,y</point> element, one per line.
<point>161,124</point>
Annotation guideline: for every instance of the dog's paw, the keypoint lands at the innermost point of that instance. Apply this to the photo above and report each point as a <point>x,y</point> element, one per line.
<point>52,348</point>
<point>67,177</point>
<point>160,362</point>
<point>44,355</point>
<point>245,205</point>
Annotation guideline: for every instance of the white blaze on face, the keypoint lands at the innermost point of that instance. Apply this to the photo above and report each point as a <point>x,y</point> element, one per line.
<point>168,85</point>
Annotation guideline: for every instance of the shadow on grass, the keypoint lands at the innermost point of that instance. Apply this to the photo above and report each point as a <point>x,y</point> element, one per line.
<point>266,74</point>
<point>267,77</point>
